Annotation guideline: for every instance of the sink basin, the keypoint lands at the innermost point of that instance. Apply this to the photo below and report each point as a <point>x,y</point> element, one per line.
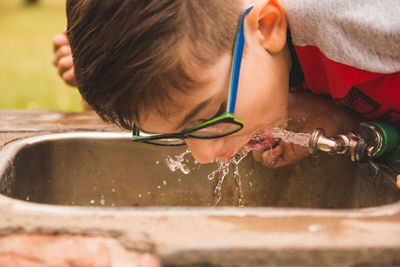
<point>101,184</point>
<point>107,169</point>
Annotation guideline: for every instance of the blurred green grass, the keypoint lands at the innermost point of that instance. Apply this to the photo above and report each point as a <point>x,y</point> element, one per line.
<point>28,80</point>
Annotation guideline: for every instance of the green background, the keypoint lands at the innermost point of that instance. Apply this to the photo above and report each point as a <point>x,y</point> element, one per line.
<point>28,80</point>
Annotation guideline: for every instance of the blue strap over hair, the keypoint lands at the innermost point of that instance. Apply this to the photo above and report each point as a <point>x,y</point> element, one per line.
<point>236,63</point>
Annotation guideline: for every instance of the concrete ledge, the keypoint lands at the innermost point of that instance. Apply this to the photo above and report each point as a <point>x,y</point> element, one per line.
<point>187,236</point>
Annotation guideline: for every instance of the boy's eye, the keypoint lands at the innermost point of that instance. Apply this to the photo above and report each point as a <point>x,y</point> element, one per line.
<point>221,110</point>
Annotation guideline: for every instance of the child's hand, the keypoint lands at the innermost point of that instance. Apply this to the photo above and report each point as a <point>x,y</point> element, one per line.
<point>62,58</point>
<point>307,112</point>
<point>282,154</point>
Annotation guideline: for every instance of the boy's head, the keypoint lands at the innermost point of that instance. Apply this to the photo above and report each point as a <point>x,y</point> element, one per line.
<point>158,63</point>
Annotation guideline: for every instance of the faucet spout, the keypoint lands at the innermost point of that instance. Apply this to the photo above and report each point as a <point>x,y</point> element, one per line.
<point>340,144</point>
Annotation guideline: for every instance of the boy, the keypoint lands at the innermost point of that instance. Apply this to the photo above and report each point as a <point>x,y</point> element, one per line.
<point>164,66</point>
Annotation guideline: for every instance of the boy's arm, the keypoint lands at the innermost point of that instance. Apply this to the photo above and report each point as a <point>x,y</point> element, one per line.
<point>307,112</point>
<point>62,58</point>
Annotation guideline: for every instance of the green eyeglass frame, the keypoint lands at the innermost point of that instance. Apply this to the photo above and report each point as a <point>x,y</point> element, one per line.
<point>227,122</point>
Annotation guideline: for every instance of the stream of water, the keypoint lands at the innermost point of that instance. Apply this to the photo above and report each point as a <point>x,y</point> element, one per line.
<point>301,139</point>
<point>222,171</point>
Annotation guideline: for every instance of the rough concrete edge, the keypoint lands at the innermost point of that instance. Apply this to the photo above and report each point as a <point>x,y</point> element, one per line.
<point>142,244</point>
<point>124,251</point>
<point>285,257</point>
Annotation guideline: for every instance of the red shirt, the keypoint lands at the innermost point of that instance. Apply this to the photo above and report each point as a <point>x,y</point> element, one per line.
<point>373,95</point>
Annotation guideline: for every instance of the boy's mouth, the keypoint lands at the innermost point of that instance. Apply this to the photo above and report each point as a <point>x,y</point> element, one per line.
<point>261,141</point>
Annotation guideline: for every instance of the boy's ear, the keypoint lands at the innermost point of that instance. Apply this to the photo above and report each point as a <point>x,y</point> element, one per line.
<point>269,19</point>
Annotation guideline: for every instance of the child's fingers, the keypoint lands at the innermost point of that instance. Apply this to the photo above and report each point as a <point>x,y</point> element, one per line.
<point>64,64</point>
<point>61,52</point>
<point>62,58</point>
<point>272,157</point>
<point>59,40</point>
<point>257,155</point>
<point>281,155</point>
<point>69,77</point>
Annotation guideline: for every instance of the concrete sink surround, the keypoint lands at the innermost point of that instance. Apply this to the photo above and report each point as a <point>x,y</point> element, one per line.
<point>69,174</point>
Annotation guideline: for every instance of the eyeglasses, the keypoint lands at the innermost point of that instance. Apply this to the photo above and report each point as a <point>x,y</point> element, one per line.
<point>220,126</point>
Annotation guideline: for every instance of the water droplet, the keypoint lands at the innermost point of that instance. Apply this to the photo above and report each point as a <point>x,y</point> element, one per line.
<point>28,198</point>
<point>211,176</point>
<point>158,186</point>
<point>139,195</point>
<point>164,182</point>
<point>92,201</point>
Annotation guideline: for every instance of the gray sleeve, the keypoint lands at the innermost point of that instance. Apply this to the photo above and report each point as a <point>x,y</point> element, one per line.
<point>361,33</point>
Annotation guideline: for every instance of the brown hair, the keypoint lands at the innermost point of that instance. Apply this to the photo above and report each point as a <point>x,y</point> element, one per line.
<point>129,54</point>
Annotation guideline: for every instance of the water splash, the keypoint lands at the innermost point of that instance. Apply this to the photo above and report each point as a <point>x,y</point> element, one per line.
<point>177,163</point>
<point>259,141</point>
<point>223,170</point>
<point>238,182</point>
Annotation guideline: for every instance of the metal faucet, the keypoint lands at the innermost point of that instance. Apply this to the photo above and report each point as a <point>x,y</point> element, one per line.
<point>379,141</point>
<point>340,144</point>
<point>377,144</point>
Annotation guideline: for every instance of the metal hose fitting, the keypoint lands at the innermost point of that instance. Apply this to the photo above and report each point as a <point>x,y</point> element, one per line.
<point>340,144</point>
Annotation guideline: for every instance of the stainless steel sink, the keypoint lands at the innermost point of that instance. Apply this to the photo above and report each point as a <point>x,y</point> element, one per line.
<point>107,169</point>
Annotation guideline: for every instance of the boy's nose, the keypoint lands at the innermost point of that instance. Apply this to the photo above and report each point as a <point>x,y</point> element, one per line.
<point>204,150</point>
